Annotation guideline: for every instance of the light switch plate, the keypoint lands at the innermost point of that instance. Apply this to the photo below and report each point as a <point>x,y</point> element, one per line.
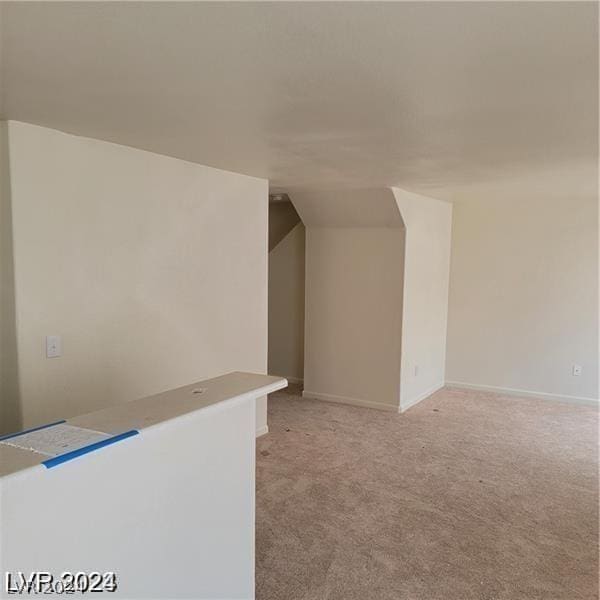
<point>53,346</point>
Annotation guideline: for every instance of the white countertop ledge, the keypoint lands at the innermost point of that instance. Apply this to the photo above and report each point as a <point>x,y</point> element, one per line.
<point>147,412</point>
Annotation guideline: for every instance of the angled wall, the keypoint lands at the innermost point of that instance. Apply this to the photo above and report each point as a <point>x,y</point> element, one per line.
<point>282,219</point>
<point>354,264</point>
<point>425,300</point>
<point>377,271</point>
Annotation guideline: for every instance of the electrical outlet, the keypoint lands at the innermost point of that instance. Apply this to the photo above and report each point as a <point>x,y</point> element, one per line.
<point>576,370</point>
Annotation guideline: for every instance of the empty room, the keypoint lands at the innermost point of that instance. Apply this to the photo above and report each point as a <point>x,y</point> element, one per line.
<point>299,300</point>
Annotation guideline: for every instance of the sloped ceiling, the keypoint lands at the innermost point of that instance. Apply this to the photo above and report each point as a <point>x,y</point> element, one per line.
<point>282,219</point>
<point>363,207</point>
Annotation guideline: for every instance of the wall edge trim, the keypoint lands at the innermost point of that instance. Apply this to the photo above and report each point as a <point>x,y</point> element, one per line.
<point>432,390</point>
<point>348,400</point>
<point>524,393</point>
<point>262,430</point>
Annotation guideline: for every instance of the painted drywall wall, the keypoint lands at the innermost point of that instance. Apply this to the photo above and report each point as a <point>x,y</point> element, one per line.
<point>282,219</point>
<point>354,267</point>
<point>286,306</point>
<point>428,225</point>
<point>10,409</point>
<point>153,270</point>
<point>524,288</point>
<point>132,508</point>
<point>353,315</point>
<point>377,271</point>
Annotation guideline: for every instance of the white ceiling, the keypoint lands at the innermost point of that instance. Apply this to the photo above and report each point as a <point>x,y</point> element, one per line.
<point>431,97</point>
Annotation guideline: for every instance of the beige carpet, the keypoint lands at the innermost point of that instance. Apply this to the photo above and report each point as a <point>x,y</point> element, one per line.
<point>467,495</point>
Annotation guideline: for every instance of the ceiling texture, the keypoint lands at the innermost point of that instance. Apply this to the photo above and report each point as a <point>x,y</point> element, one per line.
<point>432,97</point>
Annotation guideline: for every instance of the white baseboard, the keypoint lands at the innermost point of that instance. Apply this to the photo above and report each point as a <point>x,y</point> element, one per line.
<point>347,400</point>
<point>404,407</point>
<point>262,431</point>
<point>524,393</point>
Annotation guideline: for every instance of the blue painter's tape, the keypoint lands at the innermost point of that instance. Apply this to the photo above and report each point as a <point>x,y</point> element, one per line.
<point>12,435</point>
<point>57,460</point>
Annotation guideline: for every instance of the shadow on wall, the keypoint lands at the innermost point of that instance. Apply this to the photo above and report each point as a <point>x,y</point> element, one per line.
<point>286,291</point>
<point>11,417</point>
<point>282,219</point>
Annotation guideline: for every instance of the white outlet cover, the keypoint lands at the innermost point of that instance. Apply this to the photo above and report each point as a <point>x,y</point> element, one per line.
<point>53,346</point>
<point>577,370</point>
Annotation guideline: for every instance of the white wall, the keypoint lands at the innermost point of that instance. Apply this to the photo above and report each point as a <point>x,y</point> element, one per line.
<point>354,268</point>
<point>353,314</point>
<point>377,270</point>
<point>428,225</point>
<point>10,409</point>
<point>153,270</point>
<point>286,305</point>
<point>524,289</point>
<point>140,508</point>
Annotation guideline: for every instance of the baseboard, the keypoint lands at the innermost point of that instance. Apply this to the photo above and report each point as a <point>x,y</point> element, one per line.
<point>417,399</point>
<point>347,400</point>
<point>524,393</point>
<point>262,430</point>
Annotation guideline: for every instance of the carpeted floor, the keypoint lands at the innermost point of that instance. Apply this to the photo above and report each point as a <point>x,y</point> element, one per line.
<point>468,495</point>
